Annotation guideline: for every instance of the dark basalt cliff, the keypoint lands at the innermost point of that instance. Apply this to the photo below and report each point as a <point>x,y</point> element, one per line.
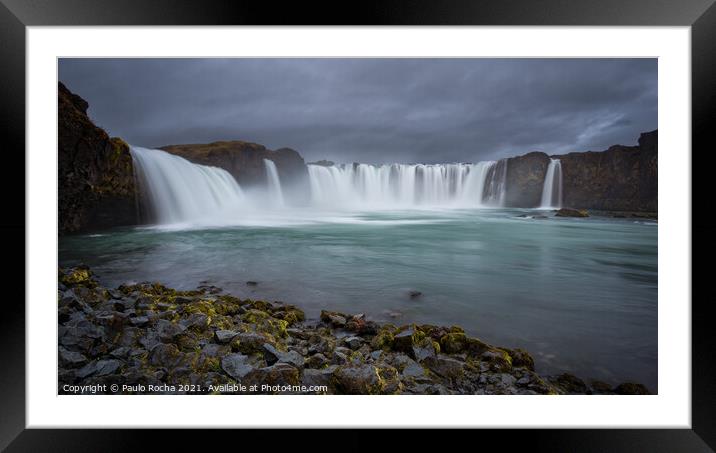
<point>622,178</point>
<point>245,161</point>
<point>525,179</point>
<point>95,175</point>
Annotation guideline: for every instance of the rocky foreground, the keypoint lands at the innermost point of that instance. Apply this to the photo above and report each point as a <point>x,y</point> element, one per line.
<point>147,338</point>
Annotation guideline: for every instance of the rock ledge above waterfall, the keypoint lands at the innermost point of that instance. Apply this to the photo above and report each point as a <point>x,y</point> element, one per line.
<point>244,160</point>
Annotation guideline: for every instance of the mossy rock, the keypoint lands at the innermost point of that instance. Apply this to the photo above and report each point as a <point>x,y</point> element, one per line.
<point>424,348</point>
<point>227,305</point>
<point>254,316</point>
<point>406,338</point>
<point>334,318</point>
<point>522,358</point>
<point>358,380</point>
<point>324,344</point>
<point>78,276</point>
<point>383,339</point>
<point>263,322</point>
<point>432,331</point>
<point>291,315</point>
<point>356,357</point>
<point>221,322</point>
<point>277,374</point>
<point>360,326</point>
<point>445,366</point>
<point>453,343</point>
<point>260,305</point>
<point>569,384</point>
<point>213,364</point>
<point>203,306</point>
<point>390,377</point>
<point>230,300</point>
<point>252,342</point>
<point>568,212</point>
<point>498,359</point>
<point>475,346</point>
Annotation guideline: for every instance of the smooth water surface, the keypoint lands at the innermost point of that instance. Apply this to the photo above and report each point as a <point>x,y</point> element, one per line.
<point>579,294</point>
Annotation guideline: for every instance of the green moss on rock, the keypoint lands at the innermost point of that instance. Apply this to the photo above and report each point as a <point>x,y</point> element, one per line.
<point>77,276</point>
<point>453,343</point>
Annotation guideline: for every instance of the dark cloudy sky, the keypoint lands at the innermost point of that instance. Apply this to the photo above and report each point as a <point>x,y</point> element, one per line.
<point>373,110</point>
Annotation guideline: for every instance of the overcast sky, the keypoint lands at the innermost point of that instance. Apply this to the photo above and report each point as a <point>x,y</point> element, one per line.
<point>373,110</point>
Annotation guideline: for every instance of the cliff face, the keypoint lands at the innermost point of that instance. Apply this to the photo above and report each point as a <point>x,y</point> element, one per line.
<point>244,160</point>
<point>95,173</point>
<point>622,178</point>
<point>525,179</point>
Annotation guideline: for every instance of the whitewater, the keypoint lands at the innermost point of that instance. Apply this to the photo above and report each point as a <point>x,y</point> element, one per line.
<point>181,194</point>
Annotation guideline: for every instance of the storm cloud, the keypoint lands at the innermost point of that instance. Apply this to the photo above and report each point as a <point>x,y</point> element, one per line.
<point>373,110</point>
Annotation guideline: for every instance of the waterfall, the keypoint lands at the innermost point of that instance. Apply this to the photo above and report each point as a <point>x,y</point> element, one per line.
<point>409,185</point>
<point>552,189</point>
<point>274,183</point>
<point>496,184</point>
<point>176,190</point>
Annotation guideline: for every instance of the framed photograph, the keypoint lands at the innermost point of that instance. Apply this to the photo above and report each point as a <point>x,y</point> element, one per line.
<point>233,221</point>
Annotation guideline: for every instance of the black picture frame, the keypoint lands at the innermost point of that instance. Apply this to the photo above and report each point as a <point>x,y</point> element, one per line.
<point>16,15</point>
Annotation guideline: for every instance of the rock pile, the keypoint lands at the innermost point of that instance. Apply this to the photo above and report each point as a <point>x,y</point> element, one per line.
<point>206,341</point>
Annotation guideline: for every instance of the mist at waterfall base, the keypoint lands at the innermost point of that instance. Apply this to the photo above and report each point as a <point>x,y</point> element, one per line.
<point>579,294</point>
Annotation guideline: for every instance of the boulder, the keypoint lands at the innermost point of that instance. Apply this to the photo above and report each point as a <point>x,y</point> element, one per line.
<point>521,358</point>
<point>445,366</point>
<point>496,360</point>
<point>168,331</point>
<point>333,318</point>
<point>99,368</point>
<point>277,374</point>
<point>139,321</point>
<point>406,339</point>
<point>453,342</point>
<point>569,384</point>
<point>196,321</point>
<point>408,367</point>
<point>316,361</point>
<point>319,377</point>
<point>166,356</point>
<point>248,342</point>
<point>71,359</point>
<point>353,342</point>
<point>236,366</point>
<point>273,355</point>
<point>225,336</point>
<point>359,379</point>
<point>321,343</point>
<point>569,212</point>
